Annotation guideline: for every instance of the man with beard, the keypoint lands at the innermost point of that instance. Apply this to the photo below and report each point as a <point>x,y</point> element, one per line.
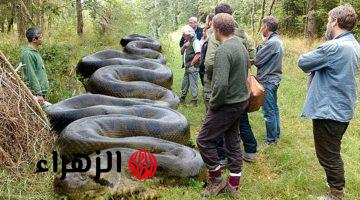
<point>331,98</point>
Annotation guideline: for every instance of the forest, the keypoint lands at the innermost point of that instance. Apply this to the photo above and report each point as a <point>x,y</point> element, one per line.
<point>73,29</point>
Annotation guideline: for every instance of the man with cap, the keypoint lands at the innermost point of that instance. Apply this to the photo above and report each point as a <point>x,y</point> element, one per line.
<point>191,55</point>
<point>198,31</point>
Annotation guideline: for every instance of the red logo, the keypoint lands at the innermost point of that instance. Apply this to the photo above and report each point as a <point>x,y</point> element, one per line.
<point>142,164</point>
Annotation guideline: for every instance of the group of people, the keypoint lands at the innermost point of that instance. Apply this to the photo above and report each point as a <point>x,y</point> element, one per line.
<point>221,54</point>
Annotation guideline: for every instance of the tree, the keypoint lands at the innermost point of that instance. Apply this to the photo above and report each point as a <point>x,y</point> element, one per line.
<point>20,21</point>
<point>310,29</point>
<point>80,21</point>
<point>262,14</point>
<point>271,7</point>
<point>252,21</point>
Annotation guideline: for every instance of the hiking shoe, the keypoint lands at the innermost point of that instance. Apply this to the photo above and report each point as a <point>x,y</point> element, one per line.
<point>233,192</point>
<point>272,142</point>
<point>193,103</point>
<point>333,194</point>
<point>249,157</point>
<point>214,186</point>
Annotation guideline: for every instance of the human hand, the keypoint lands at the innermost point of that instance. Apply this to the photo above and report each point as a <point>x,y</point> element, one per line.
<point>186,45</point>
<point>41,100</point>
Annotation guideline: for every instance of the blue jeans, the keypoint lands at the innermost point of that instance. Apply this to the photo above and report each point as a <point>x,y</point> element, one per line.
<point>246,135</point>
<point>271,112</point>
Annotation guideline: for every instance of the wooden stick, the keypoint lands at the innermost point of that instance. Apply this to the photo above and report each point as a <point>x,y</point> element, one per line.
<point>26,89</point>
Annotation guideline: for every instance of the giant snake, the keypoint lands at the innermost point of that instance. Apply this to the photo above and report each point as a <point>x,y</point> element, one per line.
<point>131,108</point>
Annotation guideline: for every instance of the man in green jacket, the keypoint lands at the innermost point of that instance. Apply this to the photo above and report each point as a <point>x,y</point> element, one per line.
<point>33,71</point>
<point>246,133</point>
<point>213,44</point>
<point>229,99</point>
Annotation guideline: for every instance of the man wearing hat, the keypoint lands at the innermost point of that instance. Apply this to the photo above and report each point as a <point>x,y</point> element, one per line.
<point>191,55</point>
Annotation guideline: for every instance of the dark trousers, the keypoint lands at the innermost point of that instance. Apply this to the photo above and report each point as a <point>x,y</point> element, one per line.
<point>327,137</point>
<point>202,73</point>
<point>246,135</point>
<point>222,123</point>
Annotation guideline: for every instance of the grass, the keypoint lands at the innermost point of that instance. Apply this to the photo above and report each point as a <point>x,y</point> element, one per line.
<point>288,170</point>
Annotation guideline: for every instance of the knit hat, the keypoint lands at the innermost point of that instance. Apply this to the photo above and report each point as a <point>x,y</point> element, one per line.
<point>187,30</point>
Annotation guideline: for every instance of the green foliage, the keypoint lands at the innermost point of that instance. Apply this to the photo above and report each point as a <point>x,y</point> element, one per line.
<point>292,16</point>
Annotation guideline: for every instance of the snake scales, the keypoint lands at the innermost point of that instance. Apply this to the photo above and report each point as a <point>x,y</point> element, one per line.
<point>130,109</point>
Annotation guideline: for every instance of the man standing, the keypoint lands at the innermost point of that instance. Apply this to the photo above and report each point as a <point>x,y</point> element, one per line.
<point>204,44</point>
<point>33,72</point>
<point>198,31</point>
<point>212,46</point>
<point>191,55</point>
<point>268,61</point>
<point>247,136</point>
<point>331,98</point>
<point>228,101</point>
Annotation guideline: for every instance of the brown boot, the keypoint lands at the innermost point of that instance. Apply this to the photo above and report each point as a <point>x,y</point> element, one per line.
<point>333,194</point>
<point>193,103</point>
<point>232,187</point>
<point>231,191</point>
<point>214,186</point>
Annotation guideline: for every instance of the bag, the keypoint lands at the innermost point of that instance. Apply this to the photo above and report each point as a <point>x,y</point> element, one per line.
<point>257,93</point>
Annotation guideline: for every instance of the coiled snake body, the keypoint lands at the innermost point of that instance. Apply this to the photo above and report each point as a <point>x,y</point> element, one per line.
<point>130,110</point>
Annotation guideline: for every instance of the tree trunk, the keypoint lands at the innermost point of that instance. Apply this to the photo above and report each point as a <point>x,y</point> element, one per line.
<point>2,26</point>
<point>310,33</point>
<point>10,20</point>
<point>177,19</point>
<point>20,21</point>
<point>42,14</point>
<point>252,20</point>
<point>26,13</point>
<point>262,14</point>
<point>272,6</point>
<point>80,21</point>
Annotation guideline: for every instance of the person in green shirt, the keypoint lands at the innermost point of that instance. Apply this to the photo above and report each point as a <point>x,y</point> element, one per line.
<point>33,70</point>
<point>246,133</point>
<point>229,99</point>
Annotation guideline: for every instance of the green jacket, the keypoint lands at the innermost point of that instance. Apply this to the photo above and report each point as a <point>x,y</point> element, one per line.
<point>229,81</point>
<point>213,44</point>
<point>33,72</point>
<point>190,54</point>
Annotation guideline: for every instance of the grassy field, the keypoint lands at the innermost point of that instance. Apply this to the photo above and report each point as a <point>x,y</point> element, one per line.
<point>288,170</point>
